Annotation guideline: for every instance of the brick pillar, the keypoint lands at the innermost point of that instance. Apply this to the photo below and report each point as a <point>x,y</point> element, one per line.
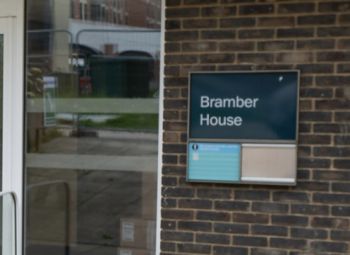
<point>229,35</point>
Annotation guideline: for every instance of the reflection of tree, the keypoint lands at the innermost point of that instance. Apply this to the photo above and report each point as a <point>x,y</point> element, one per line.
<point>35,82</point>
<point>35,130</point>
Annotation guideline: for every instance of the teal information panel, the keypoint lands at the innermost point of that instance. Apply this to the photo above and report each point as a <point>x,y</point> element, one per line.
<point>214,161</point>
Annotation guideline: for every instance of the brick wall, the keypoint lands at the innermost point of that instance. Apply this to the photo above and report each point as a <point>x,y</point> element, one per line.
<point>313,217</point>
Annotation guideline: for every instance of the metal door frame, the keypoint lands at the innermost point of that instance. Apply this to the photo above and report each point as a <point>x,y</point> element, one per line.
<point>12,27</point>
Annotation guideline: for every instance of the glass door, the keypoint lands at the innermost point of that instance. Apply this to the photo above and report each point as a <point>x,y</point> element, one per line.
<point>92,126</point>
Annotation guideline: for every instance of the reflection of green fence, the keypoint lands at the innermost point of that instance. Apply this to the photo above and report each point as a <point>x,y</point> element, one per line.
<point>125,121</point>
<point>122,76</point>
<point>97,105</point>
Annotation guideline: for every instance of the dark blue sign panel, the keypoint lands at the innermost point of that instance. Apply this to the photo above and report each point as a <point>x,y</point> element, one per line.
<point>244,106</point>
<point>214,161</point>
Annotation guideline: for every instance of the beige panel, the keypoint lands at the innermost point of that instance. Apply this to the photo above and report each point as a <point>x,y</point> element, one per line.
<point>269,163</point>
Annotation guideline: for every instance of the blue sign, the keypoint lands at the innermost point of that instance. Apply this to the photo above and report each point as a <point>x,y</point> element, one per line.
<point>214,161</point>
<point>246,106</point>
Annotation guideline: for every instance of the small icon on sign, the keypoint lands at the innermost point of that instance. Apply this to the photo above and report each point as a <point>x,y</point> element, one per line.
<point>195,152</point>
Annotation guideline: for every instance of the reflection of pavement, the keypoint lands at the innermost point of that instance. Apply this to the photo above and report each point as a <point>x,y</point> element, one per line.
<point>106,142</point>
<point>80,249</point>
<point>84,249</point>
<point>98,202</point>
<point>110,150</point>
<point>98,199</point>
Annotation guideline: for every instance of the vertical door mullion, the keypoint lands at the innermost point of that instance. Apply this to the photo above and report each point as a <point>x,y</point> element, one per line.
<point>12,126</point>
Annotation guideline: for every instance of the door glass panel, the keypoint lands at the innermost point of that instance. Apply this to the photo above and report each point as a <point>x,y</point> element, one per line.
<point>92,126</point>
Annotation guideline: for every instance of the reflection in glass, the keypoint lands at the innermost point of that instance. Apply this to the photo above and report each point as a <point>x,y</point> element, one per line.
<point>92,126</point>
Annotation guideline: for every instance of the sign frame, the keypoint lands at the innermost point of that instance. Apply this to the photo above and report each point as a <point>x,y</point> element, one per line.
<point>268,142</point>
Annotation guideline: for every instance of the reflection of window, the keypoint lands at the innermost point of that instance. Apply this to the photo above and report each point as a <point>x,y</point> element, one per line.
<point>104,13</point>
<point>83,9</point>
<point>119,12</point>
<point>78,9</point>
<point>81,6</point>
<point>72,5</point>
<point>95,12</point>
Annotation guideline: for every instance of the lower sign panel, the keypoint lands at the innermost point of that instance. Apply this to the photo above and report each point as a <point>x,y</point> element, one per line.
<point>273,164</point>
<point>218,162</point>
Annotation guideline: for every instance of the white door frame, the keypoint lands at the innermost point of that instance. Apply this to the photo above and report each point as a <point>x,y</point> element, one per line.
<point>12,26</point>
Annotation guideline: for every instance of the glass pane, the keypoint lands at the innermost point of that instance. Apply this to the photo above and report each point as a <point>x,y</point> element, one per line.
<point>92,126</point>
<point>7,225</point>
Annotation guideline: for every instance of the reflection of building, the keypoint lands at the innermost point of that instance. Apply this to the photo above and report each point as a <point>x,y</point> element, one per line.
<point>139,13</point>
<point>51,38</point>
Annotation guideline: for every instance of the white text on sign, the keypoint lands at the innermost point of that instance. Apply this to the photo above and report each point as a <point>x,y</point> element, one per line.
<point>237,102</point>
